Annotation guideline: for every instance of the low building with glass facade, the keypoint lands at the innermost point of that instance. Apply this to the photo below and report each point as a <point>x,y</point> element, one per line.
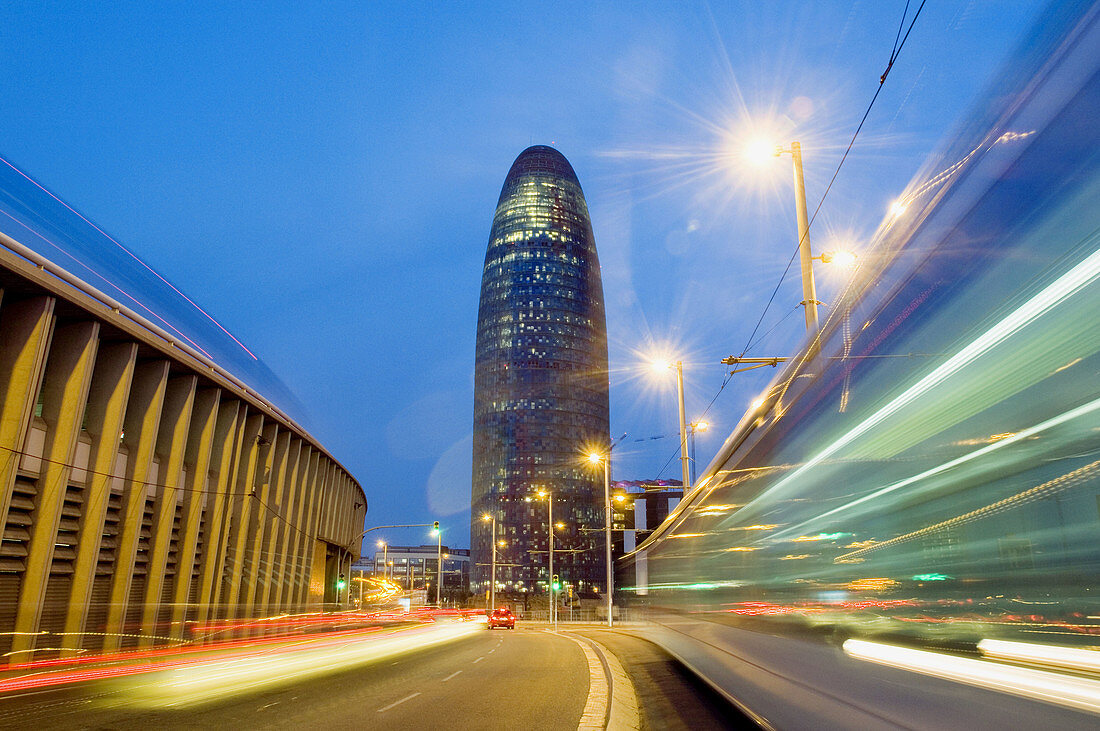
<point>416,567</point>
<point>541,383</point>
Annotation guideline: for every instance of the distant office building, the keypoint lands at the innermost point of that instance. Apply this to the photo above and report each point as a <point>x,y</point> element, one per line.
<point>415,567</point>
<point>637,508</point>
<point>541,384</point>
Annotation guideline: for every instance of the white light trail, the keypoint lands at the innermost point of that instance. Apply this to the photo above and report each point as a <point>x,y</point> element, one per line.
<point>1074,658</point>
<point>1043,685</point>
<point>1067,285</point>
<point>215,679</point>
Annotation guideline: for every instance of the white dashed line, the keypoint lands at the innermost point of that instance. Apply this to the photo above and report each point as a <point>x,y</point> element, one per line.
<point>475,662</point>
<point>397,703</point>
<point>456,672</point>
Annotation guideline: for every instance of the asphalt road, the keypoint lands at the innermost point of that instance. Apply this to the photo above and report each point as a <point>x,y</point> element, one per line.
<point>525,678</point>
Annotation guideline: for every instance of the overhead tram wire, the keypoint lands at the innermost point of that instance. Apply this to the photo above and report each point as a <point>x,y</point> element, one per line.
<point>882,80</point>
<point>728,376</point>
<point>899,43</point>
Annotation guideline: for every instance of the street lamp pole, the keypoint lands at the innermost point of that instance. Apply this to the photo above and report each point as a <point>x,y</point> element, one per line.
<point>692,428</point>
<point>596,458</point>
<point>685,468</point>
<point>552,618</point>
<point>607,532</point>
<point>550,526</point>
<point>493,569</point>
<point>809,291</point>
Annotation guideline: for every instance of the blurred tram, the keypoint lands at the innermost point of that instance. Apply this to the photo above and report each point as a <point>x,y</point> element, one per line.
<point>926,475</point>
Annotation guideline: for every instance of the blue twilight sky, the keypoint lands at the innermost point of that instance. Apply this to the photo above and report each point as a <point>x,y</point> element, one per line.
<point>322,177</point>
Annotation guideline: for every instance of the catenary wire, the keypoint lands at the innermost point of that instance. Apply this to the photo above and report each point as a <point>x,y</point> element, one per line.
<point>750,342</point>
<point>882,80</point>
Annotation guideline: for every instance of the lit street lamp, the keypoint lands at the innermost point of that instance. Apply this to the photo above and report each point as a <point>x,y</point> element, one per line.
<point>806,258</point>
<point>758,151</point>
<point>346,550</point>
<point>385,557</point>
<point>809,291</point>
<point>843,259</point>
<point>694,427</point>
<point>685,470</point>
<point>493,571</point>
<point>596,458</point>
<point>550,529</point>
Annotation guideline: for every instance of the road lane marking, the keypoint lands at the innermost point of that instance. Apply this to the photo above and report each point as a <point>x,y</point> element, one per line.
<point>490,652</point>
<point>397,703</point>
<point>456,672</point>
<point>475,662</point>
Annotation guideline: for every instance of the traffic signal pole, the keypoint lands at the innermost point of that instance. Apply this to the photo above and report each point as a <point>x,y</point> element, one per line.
<point>340,557</point>
<point>439,564</point>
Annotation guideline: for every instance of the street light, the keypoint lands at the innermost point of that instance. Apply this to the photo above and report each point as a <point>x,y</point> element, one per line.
<point>596,458</point>
<point>694,427</point>
<point>493,571</point>
<point>685,470</point>
<point>755,151</point>
<point>809,291</point>
<point>553,618</point>
<point>843,259</point>
<point>385,557</point>
<point>346,550</point>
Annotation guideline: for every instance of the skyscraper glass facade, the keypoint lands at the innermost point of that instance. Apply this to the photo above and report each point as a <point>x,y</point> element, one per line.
<point>541,382</point>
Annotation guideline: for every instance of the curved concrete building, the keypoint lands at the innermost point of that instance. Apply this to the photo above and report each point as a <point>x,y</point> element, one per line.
<point>153,488</point>
<point>541,386</point>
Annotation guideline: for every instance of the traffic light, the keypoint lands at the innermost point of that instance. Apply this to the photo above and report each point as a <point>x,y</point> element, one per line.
<point>556,584</point>
<point>435,528</point>
<point>340,582</point>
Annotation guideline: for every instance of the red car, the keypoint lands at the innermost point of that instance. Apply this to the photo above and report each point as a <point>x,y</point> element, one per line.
<point>502,618</point>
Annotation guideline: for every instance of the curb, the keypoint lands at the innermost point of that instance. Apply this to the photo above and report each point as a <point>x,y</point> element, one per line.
<point>616,710</point>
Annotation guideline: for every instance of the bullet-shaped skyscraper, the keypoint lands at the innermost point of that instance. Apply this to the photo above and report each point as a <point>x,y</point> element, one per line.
<point>541,384</point>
